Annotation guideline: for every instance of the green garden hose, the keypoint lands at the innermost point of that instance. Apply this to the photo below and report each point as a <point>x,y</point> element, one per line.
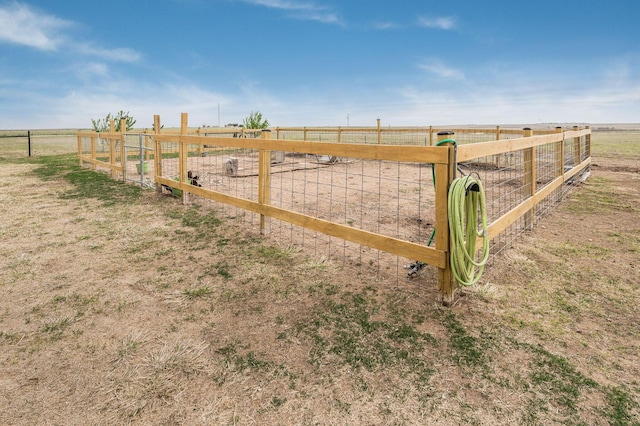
<point>466,198</point>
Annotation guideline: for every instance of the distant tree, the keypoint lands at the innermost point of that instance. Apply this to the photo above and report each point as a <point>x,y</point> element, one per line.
<point>255,121</point>
<point>104,124</point>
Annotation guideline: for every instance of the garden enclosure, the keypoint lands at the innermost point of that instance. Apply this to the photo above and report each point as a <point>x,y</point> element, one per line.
<point>371,196</point>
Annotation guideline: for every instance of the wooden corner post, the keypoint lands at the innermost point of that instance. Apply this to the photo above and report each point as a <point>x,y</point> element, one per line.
<point>444,175</point>
<point>264,183</point>
<point>529,177</point>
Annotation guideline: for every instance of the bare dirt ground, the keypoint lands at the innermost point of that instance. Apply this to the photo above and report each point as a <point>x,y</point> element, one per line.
<point>140,310</point>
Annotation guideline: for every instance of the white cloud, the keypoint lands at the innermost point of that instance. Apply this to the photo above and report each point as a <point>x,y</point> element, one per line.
<point>385,25</point>
<point>302,10</point>
<point>440,23</point>
<point>284,4</point>
<point>121,54</point>
<point>19,24</point>
<point>325,18</point>
<point>98,69</point>
<point>437,68</point>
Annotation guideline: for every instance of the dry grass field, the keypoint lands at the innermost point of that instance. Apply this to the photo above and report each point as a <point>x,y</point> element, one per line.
<point>121,306</point>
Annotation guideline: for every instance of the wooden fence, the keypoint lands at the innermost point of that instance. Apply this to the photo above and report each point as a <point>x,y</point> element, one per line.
<point>524,176</point>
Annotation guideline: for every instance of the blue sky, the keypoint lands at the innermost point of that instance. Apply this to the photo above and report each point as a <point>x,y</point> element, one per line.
<point>319,62</point>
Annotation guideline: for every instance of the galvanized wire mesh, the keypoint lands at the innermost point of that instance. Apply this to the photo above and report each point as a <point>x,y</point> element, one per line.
<point>385,197</point>
<point>394,199</point>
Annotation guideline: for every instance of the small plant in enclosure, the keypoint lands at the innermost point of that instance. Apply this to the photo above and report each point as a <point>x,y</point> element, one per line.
<point>104,124</point>
<point>255,120</point>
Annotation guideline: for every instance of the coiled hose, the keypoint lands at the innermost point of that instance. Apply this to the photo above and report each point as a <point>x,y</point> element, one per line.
<point>466,199</point>
<point>460,207</point>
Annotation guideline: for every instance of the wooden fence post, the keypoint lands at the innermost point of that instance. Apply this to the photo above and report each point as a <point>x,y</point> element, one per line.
<point>123,151</point>
<point>79,142</point>
<point>157,154</point>
<point>499,156</point>
<point>264,183</point>
<point>94,166</point>
<point>529,177</point>
<point>200,147</point>
<point>444,175</point>
<point>183,153</point>
<point>559,155</point>
<point>379,132</point>
<point>587,143</point>
<point>577,156</point>
<point>112,149</point>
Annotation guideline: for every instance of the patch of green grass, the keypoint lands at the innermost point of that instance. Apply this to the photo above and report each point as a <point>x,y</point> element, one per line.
<point>220,268</point>
<point>9,337</point>
<point>630,240</point>
<point>467,350</point>
<point>90,184</point>
<point>86,183</point>
<point>343,331</point>
<point>197,292</point>
<point>204,224</point>
<point>223,270</point>
<point>273,255</point>
<point>55,327</point>
<point>554,377</point>
<point>80,302</point>
<point>242,361</point>
<point>620,144</point>
<point>568,250</point>
<point>620,404</point>
<point>129,346</point>
<point>276,401</point>
<point>598,196</point>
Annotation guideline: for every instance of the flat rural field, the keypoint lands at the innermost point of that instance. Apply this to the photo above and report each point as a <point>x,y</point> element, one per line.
<point>120,306</point>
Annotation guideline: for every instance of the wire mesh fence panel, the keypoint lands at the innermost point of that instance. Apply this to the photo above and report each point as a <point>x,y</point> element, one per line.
<point>463,137</point>
<point>503,177</point>
<point>505,239</point>
<point>226,170</point>
<point>297,134</point>
<point>389,198</point>
<point>419,137</point>
<point>365,136</point>
<point>510,134</point>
